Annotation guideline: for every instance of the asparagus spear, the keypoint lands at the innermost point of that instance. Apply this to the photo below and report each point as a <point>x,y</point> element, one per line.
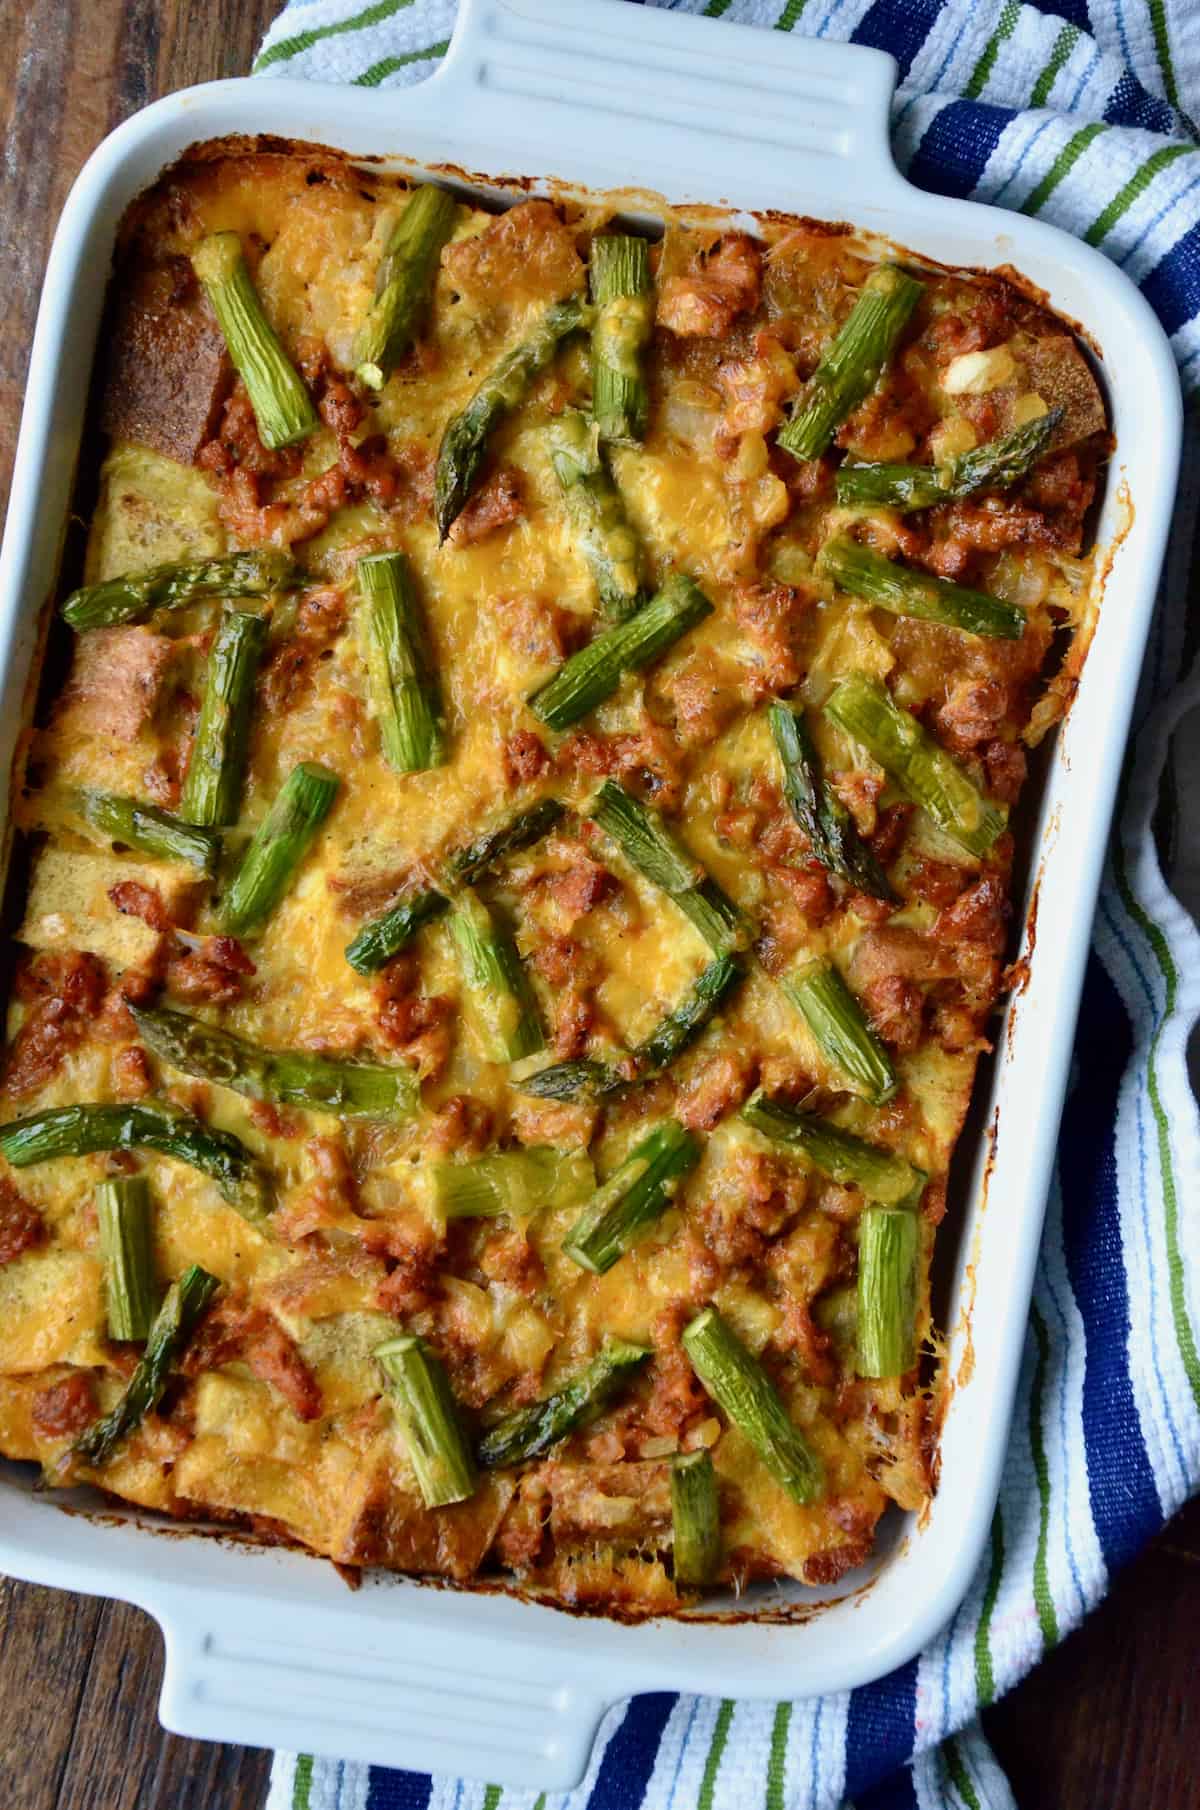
<point>385,936</point>
<point>995,466</point>
<point>1005,461</point>
<point>834,840</point>
<point>278,847</point>
<point>672,1034</point>
<point>715,916</point>
<point>402,677</point>
<point>428,1414</point>
<point>529,1432</point>
<point>404,283</point>
<point>881,1174</point>
<point>123,1213</point>
<point>837,1023</point>
<point>149,830</point>
<point>465,439</point>
<point>282,406</point>
<point>136,594</point>
<point>639,1192</point>
<point>888,1241</point>
<point>623,292</point>
<point>890,485</point>
<point>597,514</point>
<point>583,1079</point>
<point>645,841</point>
<point>741,1387</point>
<point>522,830</point>
<point>592,674</point>
<point>148,1125</point>
<point>173,1326</point>
<point>853,364</point>
<point>212,790</point>
<point>656,854</point>
<point>289,1077</point>
<point>497,986</point>
<point>589,1080</point>
<point>695,1520</point>
<point>905,593</point>
<point>922,770</point>
<point>516,1182</point>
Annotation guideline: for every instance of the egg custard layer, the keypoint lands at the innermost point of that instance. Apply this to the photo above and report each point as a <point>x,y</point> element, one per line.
<point>519,875</point>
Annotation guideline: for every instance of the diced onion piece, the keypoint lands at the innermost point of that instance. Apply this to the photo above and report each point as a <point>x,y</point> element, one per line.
<point>769,501</point>
<point>1020,577</point>
<point>975,373</point>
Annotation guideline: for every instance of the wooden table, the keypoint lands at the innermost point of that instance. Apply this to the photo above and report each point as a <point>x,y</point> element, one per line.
<point>1110,1721</point>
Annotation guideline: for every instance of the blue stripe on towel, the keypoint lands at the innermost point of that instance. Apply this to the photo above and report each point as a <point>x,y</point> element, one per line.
<point>1173,286</point>
<point>902,34</point>
<point>398,1790</point>
<point>1130,105</point>
<point>1125,1506</point>
<point>880,1721</point>
<point>955,150</point>
<point>895,1793</point>
<point>629,1758</point>
<point>1075,12</point>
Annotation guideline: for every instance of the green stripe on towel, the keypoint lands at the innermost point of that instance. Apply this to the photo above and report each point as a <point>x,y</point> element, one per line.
<point>304,40</point>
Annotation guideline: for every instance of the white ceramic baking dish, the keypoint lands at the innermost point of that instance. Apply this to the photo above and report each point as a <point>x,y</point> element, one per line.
<point>269,1647</point>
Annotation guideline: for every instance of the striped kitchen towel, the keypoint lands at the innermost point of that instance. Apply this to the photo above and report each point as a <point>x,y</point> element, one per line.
<point>1084,116</point>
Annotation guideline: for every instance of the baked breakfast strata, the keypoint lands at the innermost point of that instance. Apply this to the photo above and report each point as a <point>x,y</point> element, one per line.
<point>518,874</point>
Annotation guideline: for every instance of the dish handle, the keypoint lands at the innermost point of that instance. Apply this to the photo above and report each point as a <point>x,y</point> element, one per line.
<point>812,113</point>
<point>422,1704</point>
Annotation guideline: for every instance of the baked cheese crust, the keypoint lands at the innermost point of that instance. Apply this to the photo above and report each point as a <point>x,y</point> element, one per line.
<point>276,1415</point>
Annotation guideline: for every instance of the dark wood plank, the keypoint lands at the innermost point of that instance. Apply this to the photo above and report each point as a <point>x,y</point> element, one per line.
<point>120,1759</point>
<point>38,47</point>
<point>79,1684</point>
<point>1182,1537</point>
<point>1112,1718</point>
<point>46,1644</point>
<point>1109,1720</point>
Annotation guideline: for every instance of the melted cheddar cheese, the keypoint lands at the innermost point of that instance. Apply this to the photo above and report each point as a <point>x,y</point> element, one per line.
<point>356,1250</point>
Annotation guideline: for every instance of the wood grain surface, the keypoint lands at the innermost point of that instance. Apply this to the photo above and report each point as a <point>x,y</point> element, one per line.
<point>1110,1721</point>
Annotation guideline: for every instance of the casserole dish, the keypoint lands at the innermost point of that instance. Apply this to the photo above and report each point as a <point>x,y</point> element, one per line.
<point>225,1679</point>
